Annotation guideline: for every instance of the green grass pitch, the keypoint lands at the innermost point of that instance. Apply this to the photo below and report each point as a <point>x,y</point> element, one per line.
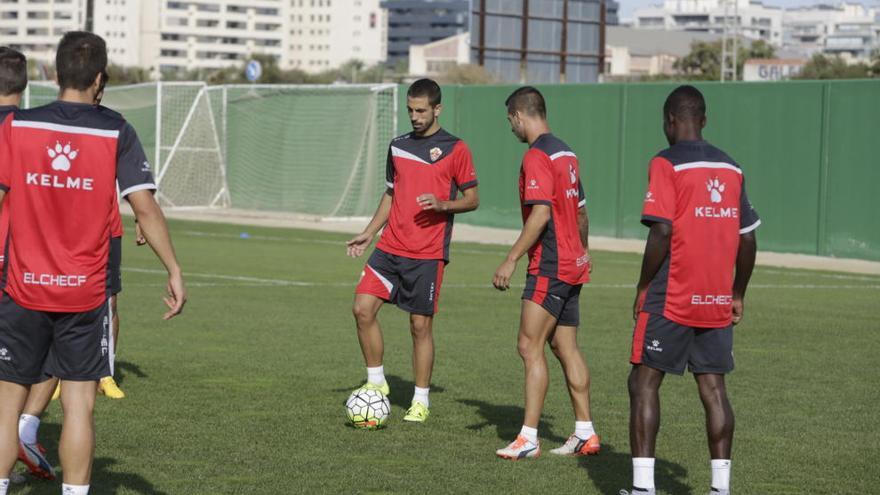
<point>244,392</point>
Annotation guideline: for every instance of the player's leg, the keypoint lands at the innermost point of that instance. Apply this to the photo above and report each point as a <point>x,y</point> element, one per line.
<point>584,440</point>
<point>108,385</point>
<point>77,446</point>
<point>25,338</point>
<point>659,346</point>
<point>365,310</point>
<point>419,295</point>
<point>378,285</point>
<point>536,324</point>
<point>80,357</point>
<point>31,453</point>
<point>12,399</point>
<point>711,358</point>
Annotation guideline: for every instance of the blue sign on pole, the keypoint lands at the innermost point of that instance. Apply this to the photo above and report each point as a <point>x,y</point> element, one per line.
<point>253,71</point>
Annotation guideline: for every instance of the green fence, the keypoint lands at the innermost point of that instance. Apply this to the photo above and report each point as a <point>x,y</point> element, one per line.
<point>806,149</point>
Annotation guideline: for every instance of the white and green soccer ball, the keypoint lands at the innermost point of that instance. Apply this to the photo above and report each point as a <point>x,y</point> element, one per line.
<point>367,409</point>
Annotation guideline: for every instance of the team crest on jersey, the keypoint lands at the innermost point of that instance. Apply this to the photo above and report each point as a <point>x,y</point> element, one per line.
<point>4,354</point>
<point>61,156</point>
<point>571,173</point>
<point>435,153</point>
<point>715,188</point>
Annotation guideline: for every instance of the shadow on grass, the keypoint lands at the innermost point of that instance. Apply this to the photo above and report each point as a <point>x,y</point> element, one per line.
<point>611,470</point>
<point>123,368</point>
<point>401,390</point>
<point>507,420</point>
<point>105,480</point>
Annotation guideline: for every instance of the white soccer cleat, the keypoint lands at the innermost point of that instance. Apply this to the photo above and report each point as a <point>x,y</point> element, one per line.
<point>520,448</point>
<point>578,446</point>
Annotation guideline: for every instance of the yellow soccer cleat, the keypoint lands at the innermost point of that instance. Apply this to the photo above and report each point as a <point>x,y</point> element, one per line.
<point>108,387</point>
<point>384,388</point>
<point>417,413</point>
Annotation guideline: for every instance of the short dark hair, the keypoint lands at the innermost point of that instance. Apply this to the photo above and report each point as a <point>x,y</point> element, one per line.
<point>685,102</point>
<point>425,87</point>
<point>527,100</point>
<point>13,71</point>
<point>80,58</point>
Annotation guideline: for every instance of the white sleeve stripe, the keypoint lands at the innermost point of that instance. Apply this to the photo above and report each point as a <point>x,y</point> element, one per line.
<point>139,187</point>
<point>746,230</point>
<point>390,185</point>
<point>581,203</point>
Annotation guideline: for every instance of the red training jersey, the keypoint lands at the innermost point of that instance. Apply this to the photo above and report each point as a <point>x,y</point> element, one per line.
<point>5,110</point>
<point>439,164</point>
<point>700,191</point>
<point>550,175</point>
<point>60,165</point>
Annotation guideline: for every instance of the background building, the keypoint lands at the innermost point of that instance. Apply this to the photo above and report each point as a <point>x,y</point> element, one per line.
<point>34,27</point>
<point>437,57</point>
<point>637,53</point>
<point>173,35</point>
<point>419,22</point>
<point>561,42</point>
<point>847,29</point>
<point>757,21</point>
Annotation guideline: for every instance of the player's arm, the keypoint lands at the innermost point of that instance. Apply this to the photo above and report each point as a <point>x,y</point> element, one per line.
<point>155,231</point>
<point>584,229</point>
<point>469,201</point>
<point>359,244</point>
<point>531,231</point>
<point>656,250</point>
<point>745,263</point>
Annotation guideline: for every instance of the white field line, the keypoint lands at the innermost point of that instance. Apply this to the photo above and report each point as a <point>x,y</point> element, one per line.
<point>245,281</point>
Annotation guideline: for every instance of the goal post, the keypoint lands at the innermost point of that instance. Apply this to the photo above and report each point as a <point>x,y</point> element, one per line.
<point>310,150</point>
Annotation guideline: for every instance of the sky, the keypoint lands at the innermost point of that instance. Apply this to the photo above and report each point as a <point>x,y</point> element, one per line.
<point>628,6</point>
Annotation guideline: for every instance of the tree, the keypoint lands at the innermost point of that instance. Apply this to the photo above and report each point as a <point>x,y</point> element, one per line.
<point>704,60</point>
<point>833,67</point>
<point>127,75</point>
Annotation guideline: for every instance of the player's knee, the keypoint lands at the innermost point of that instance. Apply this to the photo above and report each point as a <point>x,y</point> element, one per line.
<point>363,313</point>
<point>420,329</point>
<point>527,348</point>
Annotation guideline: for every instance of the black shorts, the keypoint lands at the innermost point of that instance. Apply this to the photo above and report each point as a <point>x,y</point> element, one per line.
<point>667,346</point>
<point>413,285</point>
<point>560,299</point>
<point>71,346</point>
<point>114,266</point>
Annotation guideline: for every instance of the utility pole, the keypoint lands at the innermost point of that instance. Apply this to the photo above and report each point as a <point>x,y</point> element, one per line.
<point>730,36</point>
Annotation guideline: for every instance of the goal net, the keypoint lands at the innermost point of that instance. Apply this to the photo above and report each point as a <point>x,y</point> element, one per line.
<point>301,149</point>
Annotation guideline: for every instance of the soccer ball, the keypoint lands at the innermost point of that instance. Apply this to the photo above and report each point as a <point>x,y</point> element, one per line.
<point>367,409</point>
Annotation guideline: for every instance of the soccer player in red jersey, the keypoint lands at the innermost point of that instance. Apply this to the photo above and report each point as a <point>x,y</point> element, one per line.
<point>59,167</point>
<point>555,235</point>
<point>425,171</point>
<point>688,298</point>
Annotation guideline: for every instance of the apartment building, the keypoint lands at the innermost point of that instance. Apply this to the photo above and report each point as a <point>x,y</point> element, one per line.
<point>34,26</point>
<point>756,20</point>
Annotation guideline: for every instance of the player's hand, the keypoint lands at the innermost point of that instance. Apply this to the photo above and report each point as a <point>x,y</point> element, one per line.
<point>176,297</point>
<point>430,202</point>
<point>358,245</point>
<point>637,304</point>
<point>139,238</point>
<point>738,309</point>
<point>589,262</point>
<point>505,270</point>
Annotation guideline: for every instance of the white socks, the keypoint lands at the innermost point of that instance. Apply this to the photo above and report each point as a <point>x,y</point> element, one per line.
<point>643,472</point>
<point>421,395</point>
<point>27,428</point>
<point>376,375</point>
<point>530,433</point>
<point>721,474</point>
<point>584,429</point>
<point>4,485</point>
<point>74,489</point>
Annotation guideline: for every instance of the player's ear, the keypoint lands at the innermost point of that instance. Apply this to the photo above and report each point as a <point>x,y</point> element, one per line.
<point>437,109</point>
<point>702,122</point>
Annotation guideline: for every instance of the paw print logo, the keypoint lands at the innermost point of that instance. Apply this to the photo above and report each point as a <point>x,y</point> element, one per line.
<point>655,343</point>
<point>571,173</point>
<point>61,156</point>
<point>715,188</point>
